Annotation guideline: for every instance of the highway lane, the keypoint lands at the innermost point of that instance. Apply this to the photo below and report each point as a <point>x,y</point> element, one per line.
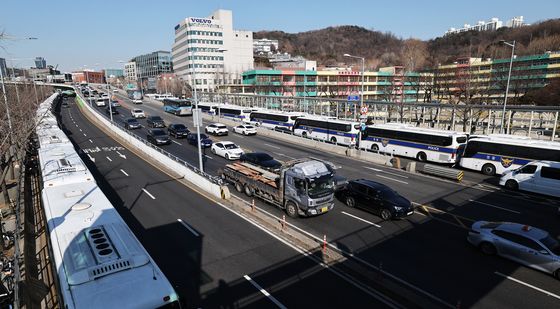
<point>205,250</point>
<point>364,235</point>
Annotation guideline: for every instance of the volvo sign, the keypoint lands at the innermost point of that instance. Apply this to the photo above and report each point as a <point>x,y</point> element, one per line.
<point>200,20</point>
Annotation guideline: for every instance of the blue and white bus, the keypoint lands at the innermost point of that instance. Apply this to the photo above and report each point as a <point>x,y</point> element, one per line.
<point>335,131</point>
<point>498,153</point>
<point>179,107</point>
<point>234,112</point>
<point>274,119</point>
<point>424,144</point>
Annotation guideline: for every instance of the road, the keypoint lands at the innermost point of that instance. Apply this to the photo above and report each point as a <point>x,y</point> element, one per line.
<point>427,250</point>
<point>212,256</point>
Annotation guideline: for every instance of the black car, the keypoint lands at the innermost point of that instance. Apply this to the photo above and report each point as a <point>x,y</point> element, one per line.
<point>178,130</point>
<point>205,141</point>
<point>132,123</point>
<point>263,160</point>
<point>112,110</point>
<point>376,198</point>
<point>158,137</point>
<point>65,103</point>
<point>155,122</point>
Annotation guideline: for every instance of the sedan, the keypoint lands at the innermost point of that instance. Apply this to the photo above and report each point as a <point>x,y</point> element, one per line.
<point>178,130</point>
<point>137,113</point>
<point>376,198</point>
<point>228,150</point>
<point>245,129</point>
<point>217,129</point>
<point>155,122</point>
<point>263,160</point>
<point>112,110</point>
<point>205,141</point>
<point>524,244</point>
<point>132,123</point>
<point>158,137</point>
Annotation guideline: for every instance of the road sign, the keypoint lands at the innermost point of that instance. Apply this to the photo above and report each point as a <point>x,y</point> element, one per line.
<point>353,98</point>
<point>363,109</point>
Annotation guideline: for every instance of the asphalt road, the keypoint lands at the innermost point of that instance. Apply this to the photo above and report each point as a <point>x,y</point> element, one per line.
<point>427,250</point>
<point>212,256</point>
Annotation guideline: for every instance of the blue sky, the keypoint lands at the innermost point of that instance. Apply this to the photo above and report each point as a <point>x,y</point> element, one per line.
<point>100,33</point>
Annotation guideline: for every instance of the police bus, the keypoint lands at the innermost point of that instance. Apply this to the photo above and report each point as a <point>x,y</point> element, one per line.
<point>327,129</point>
<point>274,119</point>
<point>423,144</point>
<point>498,153</point>
<point>234,112</point>
<point>208,107</point>
<point>179,107</point>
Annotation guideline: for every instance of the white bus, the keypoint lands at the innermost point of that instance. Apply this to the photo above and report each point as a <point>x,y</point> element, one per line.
<point>208,107</point>
<point>234,112</point>
<point>332,130</point>
<point>274,119</point>
<point>424,144</point>
<point>496,154</point>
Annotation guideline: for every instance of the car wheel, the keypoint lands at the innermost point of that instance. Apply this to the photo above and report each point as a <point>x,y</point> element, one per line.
<point>374,148</point>
<point>213,151</point>
<point>206,130</point>
<point>249,191</point>
<point>512,185</point>
<point>238,187</point>
<point>487,248</point>
<point>385,214</point>
<point>291,210</point>
<point>350,202</point>
<point>421,156</point>
<point>489,169</point>
<point>227,156</point>
<point>557,274</point>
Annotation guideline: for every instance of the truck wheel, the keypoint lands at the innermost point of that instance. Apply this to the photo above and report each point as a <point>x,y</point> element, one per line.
<point>489,169</point>
<point>291,210</point>
<point>249,191</point>
<point>238,187</point>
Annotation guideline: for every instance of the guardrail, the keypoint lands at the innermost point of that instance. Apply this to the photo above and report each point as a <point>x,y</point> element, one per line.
<point>444,172</point>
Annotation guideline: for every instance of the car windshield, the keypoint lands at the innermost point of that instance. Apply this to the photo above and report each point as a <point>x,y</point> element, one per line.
<point>158,132</point>
<point>231,146</point>
<point>156,118</point>
<point>138,111</point>
<point>131,121</point>
<point>249,127</point>
<point>222,127</point>
<point>202,136</point>
<point>263,157</point>
<point>320,186</point>
<point>180,127</point>
<point>552,244</point>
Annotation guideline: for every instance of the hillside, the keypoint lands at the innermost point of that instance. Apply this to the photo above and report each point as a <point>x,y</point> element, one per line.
<point>328,45</point>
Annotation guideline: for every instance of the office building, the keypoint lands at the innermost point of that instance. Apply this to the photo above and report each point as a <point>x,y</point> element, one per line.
<point>40,63</point>
<point>3,67</point>
<point>153,64</point>
<point>212,50</point>
<point>88,76</point>
<point>130,71</point>
<point>114,73</point>
<point>264,46</point>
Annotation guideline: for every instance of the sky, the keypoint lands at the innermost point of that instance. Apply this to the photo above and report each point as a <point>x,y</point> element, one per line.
<point>97,34</point>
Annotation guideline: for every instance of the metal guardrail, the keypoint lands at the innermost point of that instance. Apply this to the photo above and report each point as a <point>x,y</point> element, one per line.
<point>444,172</point>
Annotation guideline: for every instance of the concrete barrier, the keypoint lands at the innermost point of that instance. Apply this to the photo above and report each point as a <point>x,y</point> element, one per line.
<point>166,159</point>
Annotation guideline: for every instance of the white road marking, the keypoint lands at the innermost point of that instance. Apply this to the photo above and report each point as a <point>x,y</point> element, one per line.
<point>91,158</point>
<point>176,142</point>
<point>209,157</point>
<point>80,130</point>
<point>527,285</point>
<point>109,159</point>
<point>494,206</point>
<point>188,227</point>
<point>85,134</point>
<point>373,169</point>
<point>91,141</point>
<point>363,220</point>
<point>76,126</point>
<point>281,154</point>
<point>272,146</point>
<point>391,179</point>
<point>382,171</point>
<point>274,300</point>
<point>121,155</point>
<point>124,172</point>
<point>149,194</point>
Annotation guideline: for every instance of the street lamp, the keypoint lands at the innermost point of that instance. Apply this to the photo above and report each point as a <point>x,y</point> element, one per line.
<point>362,92</point>
<point>512,45</point>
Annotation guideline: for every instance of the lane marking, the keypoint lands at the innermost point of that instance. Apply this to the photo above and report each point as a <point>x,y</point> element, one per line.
<point>373,169</point>
<point>281,154</point>
<point>358,218</point>
<point>90,141</point>
<point>109,159</point>
<point>406,183</point>
<point>124,173</point>
<point>121,155</point>
<point>494,206</point>
<point>272,146</point>
<point>256,285</point>
<point>149,194</point>
<point>176,142</point>
<point>80,130</point>
<point>91,158</point>
<point>527,285</point>
<point>85,134</point>
<point>209,157</point>
<point>188,227</point>
<point>76,126</point>
<point>383,171</point>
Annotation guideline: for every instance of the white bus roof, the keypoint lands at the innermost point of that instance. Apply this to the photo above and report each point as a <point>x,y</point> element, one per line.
<point>328,119</point>
<point>410,128</point>
<point>512,140</point>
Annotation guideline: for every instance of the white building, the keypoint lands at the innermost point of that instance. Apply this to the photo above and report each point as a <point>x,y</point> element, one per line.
<point>516,22</point>
<point>492,25</point>
<point>130,70</point>
<point>218,53</point>
<point>265,46</point>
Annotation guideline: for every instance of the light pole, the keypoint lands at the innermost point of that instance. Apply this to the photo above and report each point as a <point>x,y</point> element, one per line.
<point>512,45</point>
<point>197,123</point>
<point>362,93</point>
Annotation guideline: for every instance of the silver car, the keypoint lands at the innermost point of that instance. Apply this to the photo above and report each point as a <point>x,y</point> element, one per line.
<point>524,244</point>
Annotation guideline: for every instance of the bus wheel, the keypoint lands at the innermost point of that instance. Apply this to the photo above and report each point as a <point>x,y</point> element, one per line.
<point>512,185</point>
<point>333,140</point>
<point>304,134</point>
<point>489,169</point>
<point>374,148</point>
<point>421,156</point>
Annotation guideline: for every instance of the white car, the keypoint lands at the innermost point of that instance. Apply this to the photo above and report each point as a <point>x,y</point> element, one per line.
<point>137,101</point>
<point>228,150</point>
<point>100,102</point>
<point>137,113</point>
<point>245,129</point>
<point>217,129</point>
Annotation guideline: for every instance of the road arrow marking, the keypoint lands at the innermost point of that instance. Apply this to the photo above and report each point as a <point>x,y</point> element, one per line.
<point>121,155</point>
<point>91,158</point>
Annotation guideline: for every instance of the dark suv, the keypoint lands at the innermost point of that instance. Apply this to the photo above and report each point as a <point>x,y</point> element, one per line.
<point>158,137</point>
<point>376,198</point>
<point>132,123</point>
<point>178,130</point>
<point>262,159</point>
<point>155,122</point>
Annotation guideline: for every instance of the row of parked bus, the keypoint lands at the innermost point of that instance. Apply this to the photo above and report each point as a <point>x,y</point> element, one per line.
<point>489,154</point>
